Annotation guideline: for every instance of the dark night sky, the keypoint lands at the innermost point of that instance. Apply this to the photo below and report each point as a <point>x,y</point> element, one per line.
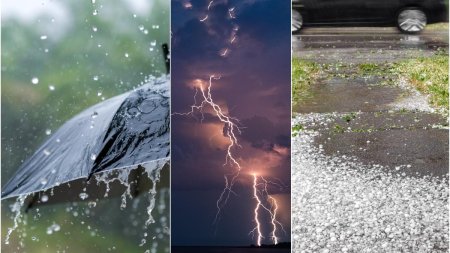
<point>255,88</point>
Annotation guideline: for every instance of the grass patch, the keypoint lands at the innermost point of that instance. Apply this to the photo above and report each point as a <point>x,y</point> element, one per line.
<point>304,73</point>
<point>349,117</point>
<point>437,27</point>
<point>297,128</point>
<point>429,76</point>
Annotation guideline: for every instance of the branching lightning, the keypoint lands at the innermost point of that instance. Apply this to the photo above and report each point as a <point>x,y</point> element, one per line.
<point>264,202</point>
<point>231,128</point>
<point>259,191</point>
<point>257,228</point>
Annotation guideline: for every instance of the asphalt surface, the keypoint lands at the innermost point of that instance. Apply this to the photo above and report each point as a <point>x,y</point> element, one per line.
<point>370,165</point>
<point>361,44</point>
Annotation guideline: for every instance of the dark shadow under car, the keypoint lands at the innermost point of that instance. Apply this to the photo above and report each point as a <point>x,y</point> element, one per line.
<point>409,16</point>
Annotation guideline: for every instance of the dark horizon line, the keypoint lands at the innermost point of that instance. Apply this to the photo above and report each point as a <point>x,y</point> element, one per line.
<point>231,246</point>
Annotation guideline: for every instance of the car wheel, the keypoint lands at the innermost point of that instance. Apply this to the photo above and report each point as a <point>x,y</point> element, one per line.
<point>297,21</point>
<point>411,20</point>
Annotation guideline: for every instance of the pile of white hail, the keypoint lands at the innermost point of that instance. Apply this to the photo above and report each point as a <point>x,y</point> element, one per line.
<point>342,205</point>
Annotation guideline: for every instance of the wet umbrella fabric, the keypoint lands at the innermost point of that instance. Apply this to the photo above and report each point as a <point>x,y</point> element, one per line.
<point>126,132</point>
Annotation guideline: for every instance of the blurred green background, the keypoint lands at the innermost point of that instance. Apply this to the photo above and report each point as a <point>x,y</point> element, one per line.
<point>58,58</point>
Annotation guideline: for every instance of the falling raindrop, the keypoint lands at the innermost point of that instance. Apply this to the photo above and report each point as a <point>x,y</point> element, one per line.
<point>51,87</point>
<point>83,195</point>
<point>56,227</point>
<point>153,43</point>
<point>44,198</point>
<point>34,80</point>
<point>99,94</point>
<point>53,228</point>
<point>94,115</point>
<point>93,157</point>
<point>46,152</point>
<point>43,181</point>
<point>94,29</point>
<point>95,78</point>
<point>43,37</point>
<point>126,55</point>
<point>95,12</point>
<point>92,204</point>
<point>141,27</point>
<point>48,131</point>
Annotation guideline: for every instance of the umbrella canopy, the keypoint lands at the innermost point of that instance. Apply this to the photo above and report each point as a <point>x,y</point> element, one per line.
<point>103,151</point>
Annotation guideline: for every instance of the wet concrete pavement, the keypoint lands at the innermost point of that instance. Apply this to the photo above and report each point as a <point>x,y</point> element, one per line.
<point>362,44</point>
<point>343,90</point>
<point>370,159</point>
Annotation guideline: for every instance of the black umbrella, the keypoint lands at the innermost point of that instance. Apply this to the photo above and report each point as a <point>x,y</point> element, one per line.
<point>119,145</point>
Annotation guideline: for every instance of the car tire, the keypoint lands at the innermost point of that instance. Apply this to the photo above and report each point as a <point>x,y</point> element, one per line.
<point>411,20</point>
<point>297,22</point>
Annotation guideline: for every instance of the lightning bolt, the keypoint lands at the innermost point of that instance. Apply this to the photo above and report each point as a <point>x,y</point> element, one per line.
<point>257,228</point>
<point>231,129</point>
<point>272,211</point>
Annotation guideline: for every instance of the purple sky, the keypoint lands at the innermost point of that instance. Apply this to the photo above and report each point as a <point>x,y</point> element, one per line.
<point>254,88</point>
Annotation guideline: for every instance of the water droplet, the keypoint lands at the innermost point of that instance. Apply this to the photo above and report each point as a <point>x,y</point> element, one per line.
<point>141,27</point>
<point>46,50</point>
<point>134,15</point>
<point>43,181</point>
<point>51,87</point>
<point>95,12</point>
<point>94,115</point>
<point>56,227</point>
<point>92,204</point>
<point>43,37</point>
<point>35,80</point>
<point>99,94</point>
<point>58,140</point>
<point>53,228</point>
<point>83,195</point>
<point>95,78</point>
<point>33,238</point>
<point>126,55</point>
<point>46,152</point>
<point>93,157</point>
<point>153,43</point>
<point>48,131</point>
<point>53,171</point>
<point>145,31</point>
<point>93,1</point>
<point>94,29</point>
<point>44,198</point>
<point>151,49</point>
